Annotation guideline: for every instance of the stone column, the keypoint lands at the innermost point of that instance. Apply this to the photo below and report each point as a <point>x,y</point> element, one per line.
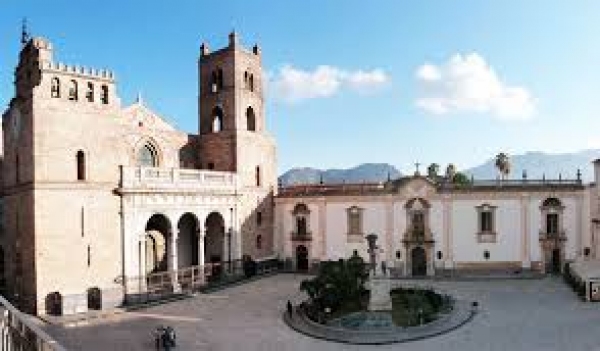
<point>447,232</point>
<point>201,258</point>
<point>389,230</point>
<point>141,276</point>
<point>174,266</point>
<point>322,233</point>
<point>578,230</point>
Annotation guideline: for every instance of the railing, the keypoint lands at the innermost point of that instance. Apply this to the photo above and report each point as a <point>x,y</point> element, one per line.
<point>19,334</point>
<point>155,177</point>
<point>513,183</point>
<point>558,236</point>
<point>160,285</point>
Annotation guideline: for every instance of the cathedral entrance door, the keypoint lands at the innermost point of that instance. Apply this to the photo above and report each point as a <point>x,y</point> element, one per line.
<point>302,258</point>
<point>419,261</point>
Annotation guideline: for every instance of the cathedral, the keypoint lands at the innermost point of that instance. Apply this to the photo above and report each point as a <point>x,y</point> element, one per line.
<point>102,202</point>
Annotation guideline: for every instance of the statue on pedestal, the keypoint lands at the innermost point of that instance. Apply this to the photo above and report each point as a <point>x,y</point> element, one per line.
<point>379,281</point>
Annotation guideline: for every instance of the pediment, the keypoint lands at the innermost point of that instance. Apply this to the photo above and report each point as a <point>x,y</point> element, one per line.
<point>417,187</point>
<point>140,116</point>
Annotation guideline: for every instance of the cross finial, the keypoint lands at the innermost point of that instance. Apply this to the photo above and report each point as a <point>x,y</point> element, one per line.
<point>24,32</point>
<point>139,99</point>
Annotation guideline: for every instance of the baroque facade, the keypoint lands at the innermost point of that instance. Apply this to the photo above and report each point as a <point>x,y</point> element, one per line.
<point>430,227</point>
<point>97,195</point>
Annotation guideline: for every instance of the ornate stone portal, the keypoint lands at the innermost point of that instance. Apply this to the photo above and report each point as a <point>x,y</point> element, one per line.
<point>379,280</point>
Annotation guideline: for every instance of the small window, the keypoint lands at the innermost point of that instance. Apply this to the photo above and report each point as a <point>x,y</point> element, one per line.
<point>259,218</point>
<point>89,255</point>
<point>89,94</point>
<point>211,165</point>
<point>217,119</point>
<point>398,254</point>
<point>251,82</point>
<point>80,165</point>
<point>439,255</point>
<point>552,223</point>
<point>213,84</point>
<point>354,220</point>
<point>257,175</point>
<point>55,88</point>
<point>104,96</point>
<point>147,156</point>
<point>486,221</point>
<point>220,79</point>
<point>73,90</point>
<point>486,254</point>
<point>250,119</point>
<point>301,226</point>
<point>259,242</point>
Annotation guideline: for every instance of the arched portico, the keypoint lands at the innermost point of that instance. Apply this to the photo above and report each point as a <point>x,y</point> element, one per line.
<point>156,245</point>
<point>188,241</point>
<point>214,241</point>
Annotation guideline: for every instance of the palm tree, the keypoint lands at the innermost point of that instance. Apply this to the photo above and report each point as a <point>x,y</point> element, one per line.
<point>450,172</point>
<point>432,171</point>
<point>503,165</point>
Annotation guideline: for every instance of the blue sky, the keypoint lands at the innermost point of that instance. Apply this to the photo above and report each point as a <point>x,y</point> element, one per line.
<point>353,81</point>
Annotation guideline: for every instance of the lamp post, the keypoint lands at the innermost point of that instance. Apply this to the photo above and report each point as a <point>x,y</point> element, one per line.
<point>229,233</point>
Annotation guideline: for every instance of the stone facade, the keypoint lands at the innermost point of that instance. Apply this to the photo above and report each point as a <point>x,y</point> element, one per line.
<point>95,193</point>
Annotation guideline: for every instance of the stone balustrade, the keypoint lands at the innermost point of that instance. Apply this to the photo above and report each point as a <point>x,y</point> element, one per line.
<point>177,178</point>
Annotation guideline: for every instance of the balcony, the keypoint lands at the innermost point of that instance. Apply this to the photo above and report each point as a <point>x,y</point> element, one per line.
<point>418,237</point>
<point>174,179</point>
<point>553,237</point>
<point>306,236</point>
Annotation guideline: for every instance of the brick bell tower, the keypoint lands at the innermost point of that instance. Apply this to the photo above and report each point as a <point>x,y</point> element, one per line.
<point>233,136</point>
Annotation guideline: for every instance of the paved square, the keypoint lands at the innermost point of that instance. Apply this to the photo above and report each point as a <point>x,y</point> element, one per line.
<point>515,315</point>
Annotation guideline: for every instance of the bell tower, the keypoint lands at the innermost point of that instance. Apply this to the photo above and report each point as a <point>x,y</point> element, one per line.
<point>233,135</point>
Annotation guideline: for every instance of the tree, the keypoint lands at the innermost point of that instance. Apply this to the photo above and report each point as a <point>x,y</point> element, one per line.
<point>461,179</point>
<point>503,165</point>
<point>432,171</point>
<point>450,172</point>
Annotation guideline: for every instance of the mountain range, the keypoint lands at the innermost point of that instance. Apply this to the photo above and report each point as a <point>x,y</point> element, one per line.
<point>535,164</point>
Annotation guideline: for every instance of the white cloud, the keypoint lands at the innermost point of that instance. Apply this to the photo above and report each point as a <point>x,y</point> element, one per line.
<point>291,84</point>
<point>468,83</point>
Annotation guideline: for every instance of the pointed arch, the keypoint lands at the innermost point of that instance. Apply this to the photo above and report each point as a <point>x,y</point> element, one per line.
<point>217,119</point>
<point>73,93</point>
<point>250,119</point>
<point>147,154</point>
<point>55,88</point>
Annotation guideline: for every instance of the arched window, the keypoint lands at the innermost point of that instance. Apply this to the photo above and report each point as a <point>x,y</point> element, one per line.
<point>213,84</point>
<point>147,156</point>
<point>251,82</point>
<point>217,119</point>
<point>257,175</point>
<point>73,90</point>
<point>220,79</point>
<point>80,165</point>
<point>259,242</point>
<point>250,119</point>
<point>301,226</point>
<point>89,94</point>
<point>104,97</point>
<point>55,88</point>
<point>551,209</point>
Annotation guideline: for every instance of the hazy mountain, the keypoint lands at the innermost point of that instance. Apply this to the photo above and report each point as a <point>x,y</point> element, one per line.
<point>367,172</point>
<point>537,164</point>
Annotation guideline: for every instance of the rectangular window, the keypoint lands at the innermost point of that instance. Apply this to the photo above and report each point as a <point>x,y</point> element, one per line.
<point>486,221</point>
<point>552,223</point>
<point>258,218</point>
<point>354,221</point>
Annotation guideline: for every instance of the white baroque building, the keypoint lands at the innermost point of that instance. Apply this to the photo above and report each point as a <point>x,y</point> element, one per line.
<point>427,228</point>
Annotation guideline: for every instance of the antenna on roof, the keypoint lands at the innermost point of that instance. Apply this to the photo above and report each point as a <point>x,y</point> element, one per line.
<point>24,32</point>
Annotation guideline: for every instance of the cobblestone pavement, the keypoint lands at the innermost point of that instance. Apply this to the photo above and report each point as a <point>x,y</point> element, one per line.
<point>515,315</point>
